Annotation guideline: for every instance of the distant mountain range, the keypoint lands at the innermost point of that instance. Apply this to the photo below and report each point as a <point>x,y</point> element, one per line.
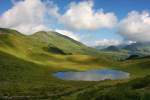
<point>135,48</point>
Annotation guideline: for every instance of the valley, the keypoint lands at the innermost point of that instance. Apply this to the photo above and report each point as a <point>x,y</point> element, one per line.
<point>27,64</point>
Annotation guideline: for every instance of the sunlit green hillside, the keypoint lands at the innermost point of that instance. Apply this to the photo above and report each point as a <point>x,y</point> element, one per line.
<point>27,64</point>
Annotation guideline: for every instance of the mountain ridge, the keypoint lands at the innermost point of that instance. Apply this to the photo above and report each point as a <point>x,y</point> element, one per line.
<point>134,48</point>
<point>16,42</point>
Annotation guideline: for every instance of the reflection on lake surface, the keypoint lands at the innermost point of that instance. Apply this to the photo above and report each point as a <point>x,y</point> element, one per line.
<point>93,75</point>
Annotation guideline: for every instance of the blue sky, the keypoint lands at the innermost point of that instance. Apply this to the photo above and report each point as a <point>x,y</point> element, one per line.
<point>120,8</point>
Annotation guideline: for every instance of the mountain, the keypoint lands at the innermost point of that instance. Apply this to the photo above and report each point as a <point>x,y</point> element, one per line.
<point>18,44</point>
<point>133,49</point>
<point>27,65</point>
<point>100,47</point>
<point>64,43</point>
<point>143,48</point>
<point>112,48</point>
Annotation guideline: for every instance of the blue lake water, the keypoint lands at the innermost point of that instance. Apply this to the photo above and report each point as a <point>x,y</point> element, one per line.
<point>93,75</point>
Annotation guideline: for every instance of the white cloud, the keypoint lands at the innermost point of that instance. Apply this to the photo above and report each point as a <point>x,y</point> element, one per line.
<point>68,33</point>
<point>108,42</point>
<point>52,9</point>
<point>25,16</point>
<point>136,26</point>
<point>83,16</point>
<point>28,16</point>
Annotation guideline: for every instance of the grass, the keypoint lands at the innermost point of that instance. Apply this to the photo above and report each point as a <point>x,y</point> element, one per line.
<point>27,65</point>
<point>137,67</point>
<point>137,89</point>
<point>24,78</point>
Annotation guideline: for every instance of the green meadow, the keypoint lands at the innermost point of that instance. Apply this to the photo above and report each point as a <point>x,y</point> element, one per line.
<point>27,64</point>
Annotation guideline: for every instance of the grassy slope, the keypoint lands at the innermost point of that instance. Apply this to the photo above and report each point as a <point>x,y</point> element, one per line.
<point>66,44</point>
<point>34,48</point>
<point>137,67</point>
<point>40,41</point>
<point>137,89</point>
<point>26,68</point>
<point>29,80</point>
<point>23,78</point>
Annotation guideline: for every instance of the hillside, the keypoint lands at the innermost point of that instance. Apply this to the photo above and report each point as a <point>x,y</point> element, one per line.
<point>27,64</point>
<point>64,43</point>
<point>21,79</point>
<point>112,48</point>
<point>43,41</point>
<point>137,89</point>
